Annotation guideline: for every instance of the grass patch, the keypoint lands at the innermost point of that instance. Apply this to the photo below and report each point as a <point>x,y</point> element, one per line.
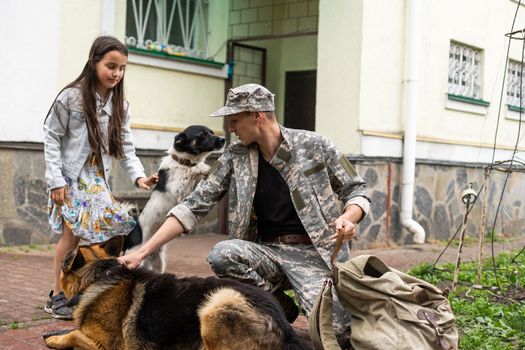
<point>28,248</point>
<point>39,318</point>
<point>14,325</point>
<point>486,317</point>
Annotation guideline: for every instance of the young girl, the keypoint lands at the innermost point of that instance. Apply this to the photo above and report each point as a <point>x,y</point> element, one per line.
<point>88,123</point>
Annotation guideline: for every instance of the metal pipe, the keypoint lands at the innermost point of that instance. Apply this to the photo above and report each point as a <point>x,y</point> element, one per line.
<point>388,200</point>
<point>483,227</point>
<point>468,197</point>
<point>410,115</point>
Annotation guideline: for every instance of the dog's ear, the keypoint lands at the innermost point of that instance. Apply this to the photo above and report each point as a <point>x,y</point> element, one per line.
<point>73,261</point>
<point>113,246</point>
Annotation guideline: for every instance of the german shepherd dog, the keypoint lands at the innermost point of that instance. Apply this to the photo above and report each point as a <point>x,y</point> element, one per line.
<point>126,309</point>
<point>179,172</point>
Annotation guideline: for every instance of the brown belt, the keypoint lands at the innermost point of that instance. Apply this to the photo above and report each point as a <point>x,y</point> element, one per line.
<point>291,238</point>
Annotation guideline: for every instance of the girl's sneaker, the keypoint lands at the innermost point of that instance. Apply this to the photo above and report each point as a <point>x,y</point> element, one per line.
<point>57,306</point>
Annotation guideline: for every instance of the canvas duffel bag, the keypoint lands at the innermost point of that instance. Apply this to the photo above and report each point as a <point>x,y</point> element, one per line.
<point>390,309</point>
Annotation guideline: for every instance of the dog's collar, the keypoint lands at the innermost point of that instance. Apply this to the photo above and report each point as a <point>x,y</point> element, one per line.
<point>183,161</point>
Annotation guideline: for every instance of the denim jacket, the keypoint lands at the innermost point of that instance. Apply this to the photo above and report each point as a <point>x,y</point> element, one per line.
<point>316,173</point>
<point>66,145</point>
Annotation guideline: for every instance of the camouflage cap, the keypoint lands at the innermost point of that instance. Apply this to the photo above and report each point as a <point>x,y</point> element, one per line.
<point>247,98</point>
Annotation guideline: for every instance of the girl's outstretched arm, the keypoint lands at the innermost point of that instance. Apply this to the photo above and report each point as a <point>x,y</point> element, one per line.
<point>146,182</point>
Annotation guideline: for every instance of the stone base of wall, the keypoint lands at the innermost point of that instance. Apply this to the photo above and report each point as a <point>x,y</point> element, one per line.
<point>437,203</point>
<point>23,194</point>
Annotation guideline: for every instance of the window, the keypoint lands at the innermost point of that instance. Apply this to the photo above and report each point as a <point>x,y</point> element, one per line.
<point>515,84</point>
<point>173,27</point>
<point>464,69</point>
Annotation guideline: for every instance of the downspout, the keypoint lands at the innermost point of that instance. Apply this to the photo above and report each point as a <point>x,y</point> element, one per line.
<point>410,116</point>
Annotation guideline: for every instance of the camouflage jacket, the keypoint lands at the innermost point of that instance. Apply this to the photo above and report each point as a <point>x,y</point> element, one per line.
<point>316,174</point>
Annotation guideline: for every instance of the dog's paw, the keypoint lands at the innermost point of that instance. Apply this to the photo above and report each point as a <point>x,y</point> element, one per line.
<point>59,332</point>
<point>54,339</point>
<point>201,169</point>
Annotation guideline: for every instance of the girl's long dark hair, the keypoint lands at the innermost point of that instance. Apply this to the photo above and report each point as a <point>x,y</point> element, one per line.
<point>87,82</point>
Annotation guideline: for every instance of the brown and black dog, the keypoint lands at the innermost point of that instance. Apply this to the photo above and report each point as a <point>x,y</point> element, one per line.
<point>121,308</point>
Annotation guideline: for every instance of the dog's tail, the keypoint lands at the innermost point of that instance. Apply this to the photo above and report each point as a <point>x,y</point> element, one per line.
<point>229,321</point>
<point>133,239</point>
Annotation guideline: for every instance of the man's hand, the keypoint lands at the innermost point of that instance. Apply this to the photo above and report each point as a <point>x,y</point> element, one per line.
<point>170,229</point>
<point>131,260</point>
<point>146,182</point>
<point>59,195</point>
<point>344,227</point>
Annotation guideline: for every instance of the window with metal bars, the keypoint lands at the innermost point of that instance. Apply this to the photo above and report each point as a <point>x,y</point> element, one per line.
<point>464,71</point>
<point>515,83</point>
<point>172,27</point>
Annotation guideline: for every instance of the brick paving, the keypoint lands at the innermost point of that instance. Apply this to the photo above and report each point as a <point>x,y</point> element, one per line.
<point>26,275</point>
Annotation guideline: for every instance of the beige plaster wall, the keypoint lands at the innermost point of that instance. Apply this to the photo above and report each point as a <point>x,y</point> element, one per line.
<point>339,72</point>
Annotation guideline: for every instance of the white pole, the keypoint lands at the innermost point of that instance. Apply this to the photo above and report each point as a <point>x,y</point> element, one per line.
<point>410,115</point>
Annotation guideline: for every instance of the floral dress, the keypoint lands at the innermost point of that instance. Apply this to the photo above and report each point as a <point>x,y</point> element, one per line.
<point>90,210</point>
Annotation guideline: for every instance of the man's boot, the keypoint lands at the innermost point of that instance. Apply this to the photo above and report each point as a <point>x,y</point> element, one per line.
<point>291,310</point>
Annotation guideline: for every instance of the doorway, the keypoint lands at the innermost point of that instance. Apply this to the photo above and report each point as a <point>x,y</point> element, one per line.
<point>299,105</point>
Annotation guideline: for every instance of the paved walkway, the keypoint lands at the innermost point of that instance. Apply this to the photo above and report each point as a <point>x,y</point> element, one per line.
<point>26,280</point>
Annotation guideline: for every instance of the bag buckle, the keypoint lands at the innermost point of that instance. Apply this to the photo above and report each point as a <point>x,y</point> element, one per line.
<point>329,280</point>
<point>333,274</point>
<point>431,317</point>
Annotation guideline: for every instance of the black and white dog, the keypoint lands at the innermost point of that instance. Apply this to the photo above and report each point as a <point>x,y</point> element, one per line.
<point>179,172</point>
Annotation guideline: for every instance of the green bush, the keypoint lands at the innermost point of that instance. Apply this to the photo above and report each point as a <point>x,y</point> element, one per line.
<point>488,316</point>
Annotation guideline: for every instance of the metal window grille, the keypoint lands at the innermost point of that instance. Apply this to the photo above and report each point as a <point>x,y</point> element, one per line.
<point>515,84</point>
<point>464,68</point>
<point>178,27</point>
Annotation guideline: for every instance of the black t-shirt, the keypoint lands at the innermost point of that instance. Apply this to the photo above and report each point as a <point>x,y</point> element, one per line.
<point>273,205</point>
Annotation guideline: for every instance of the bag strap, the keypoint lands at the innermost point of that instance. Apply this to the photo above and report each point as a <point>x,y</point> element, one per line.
<point>313,321</point>
<point>320,324</point>
<point>337,247</point>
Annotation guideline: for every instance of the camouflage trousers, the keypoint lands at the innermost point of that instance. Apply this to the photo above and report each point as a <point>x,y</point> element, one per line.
<point>272,265</point>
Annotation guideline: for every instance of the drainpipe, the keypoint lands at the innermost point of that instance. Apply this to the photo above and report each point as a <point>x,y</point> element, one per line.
<point>410,114</point>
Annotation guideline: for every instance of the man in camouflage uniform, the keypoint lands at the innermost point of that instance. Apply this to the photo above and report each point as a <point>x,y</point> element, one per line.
<point>313,174</point>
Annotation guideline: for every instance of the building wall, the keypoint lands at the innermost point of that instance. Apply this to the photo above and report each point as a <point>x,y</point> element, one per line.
<point>286,55</point>
<point>248,18</point>
<point>339,76</point>
<point>359,53</point>
<point>361,72</point>
<point>382,66</point>
<point>438,207</point>
<point>29,69</point>
<point>52,45</point>
<point>361,69</point>
<point>167,97</point>
<point>55,39</point>
<point>274,25</point>
<point>437,204</point>
<point>23,218</point>
<point>23,197</point>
